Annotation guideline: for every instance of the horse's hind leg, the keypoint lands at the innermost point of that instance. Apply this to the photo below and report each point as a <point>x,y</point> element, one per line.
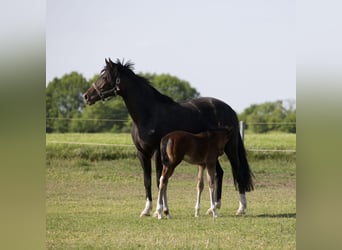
<point>233,156</point>
<point>200,186</point>
<point>242,204</point>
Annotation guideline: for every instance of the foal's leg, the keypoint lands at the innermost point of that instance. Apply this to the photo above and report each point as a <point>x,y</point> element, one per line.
<point>211,181</point>
<point>159,208</point>
<point>200,186</point>
<point>165,205</point>
<point>218,186</point>
<point>162,197</point>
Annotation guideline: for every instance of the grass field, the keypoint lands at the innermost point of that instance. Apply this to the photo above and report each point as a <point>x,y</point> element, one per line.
<point>94,203</point>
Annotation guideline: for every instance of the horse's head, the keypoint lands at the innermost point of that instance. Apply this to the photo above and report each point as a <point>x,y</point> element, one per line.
<point>109,83</point>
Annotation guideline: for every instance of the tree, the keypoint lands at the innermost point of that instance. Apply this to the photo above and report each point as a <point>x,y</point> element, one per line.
<point>66,112</point>
<point>177,89</point>
<point>103,116</point>
<point>270,116</point>
<point>64,101</point>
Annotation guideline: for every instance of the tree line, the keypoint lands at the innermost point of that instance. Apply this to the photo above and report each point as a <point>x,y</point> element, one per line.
<point>66,110</point>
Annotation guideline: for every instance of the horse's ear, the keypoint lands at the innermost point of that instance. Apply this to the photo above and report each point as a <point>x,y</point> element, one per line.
<point>107,62</point>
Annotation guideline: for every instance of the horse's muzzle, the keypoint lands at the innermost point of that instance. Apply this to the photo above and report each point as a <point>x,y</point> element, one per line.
<point>87,99</point>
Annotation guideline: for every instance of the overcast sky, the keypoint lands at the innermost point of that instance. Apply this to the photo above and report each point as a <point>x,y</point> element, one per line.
<point>242,52</point>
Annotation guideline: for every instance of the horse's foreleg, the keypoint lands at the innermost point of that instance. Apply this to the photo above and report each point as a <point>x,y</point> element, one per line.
<point>211,181</point>
<point>200,186</point>
<point>146,165</point>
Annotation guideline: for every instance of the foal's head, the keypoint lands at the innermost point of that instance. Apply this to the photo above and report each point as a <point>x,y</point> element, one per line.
<point>110,82</point>
<point>221,135</point>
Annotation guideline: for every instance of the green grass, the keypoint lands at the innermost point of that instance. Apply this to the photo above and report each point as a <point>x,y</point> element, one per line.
<point>92,203</point>
<point>84,146</point>
<point>94,195</point>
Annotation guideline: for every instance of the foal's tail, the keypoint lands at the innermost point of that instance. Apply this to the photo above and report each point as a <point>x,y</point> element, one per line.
<point>242,174</point>
<point>163,152</point>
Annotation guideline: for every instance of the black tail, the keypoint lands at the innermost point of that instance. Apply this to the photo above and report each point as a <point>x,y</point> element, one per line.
<point>242,174</point>
<point>245,171</point>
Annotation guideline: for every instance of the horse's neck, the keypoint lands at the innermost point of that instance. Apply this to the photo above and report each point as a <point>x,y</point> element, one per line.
<point>141,104</point>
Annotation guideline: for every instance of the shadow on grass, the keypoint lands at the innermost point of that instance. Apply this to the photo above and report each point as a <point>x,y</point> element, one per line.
<point>282,215</point>
<point>285,215</point>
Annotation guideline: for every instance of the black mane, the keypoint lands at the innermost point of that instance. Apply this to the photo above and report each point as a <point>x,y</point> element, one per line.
<point>124,66</point>
<point>127,69</point>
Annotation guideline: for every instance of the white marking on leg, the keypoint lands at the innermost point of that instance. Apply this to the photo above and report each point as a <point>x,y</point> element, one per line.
<point>148,208</point>
<point>198,205</point>
<point>218,204</point>
<point>242,204</point>
<point>200,186</point>
<point>159,207</point>
<point>212,202</point>
<point>211,178</point>
<point>165,204</point>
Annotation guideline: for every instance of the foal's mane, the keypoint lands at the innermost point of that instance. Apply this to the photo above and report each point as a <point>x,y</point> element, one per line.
<point>127,69</point>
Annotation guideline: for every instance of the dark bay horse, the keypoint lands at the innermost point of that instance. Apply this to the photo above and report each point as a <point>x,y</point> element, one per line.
<point>154,115</point>
<point>202,149</point>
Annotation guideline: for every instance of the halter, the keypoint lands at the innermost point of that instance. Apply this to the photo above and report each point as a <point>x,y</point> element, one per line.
<point>115,90</point>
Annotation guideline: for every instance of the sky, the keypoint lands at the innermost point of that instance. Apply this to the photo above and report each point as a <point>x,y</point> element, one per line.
<point>242,52</point>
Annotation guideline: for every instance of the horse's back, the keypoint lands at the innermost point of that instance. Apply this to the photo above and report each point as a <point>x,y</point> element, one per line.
<point>213,112</point>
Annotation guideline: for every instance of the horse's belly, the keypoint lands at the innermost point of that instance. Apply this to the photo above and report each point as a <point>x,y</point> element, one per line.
<point>191,160</point>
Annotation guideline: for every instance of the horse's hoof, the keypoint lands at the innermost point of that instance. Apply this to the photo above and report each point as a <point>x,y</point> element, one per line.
<point>167,214</point>
<point>240,212</point>
<point>144,214</point>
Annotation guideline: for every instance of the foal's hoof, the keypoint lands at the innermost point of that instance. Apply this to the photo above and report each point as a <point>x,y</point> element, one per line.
<point>213,212</point>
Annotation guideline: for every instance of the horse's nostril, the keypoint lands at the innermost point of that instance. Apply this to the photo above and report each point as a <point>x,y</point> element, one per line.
<point>85,96</point>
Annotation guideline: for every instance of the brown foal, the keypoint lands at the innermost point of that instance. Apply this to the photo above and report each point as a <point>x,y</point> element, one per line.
<point>202,149</point>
